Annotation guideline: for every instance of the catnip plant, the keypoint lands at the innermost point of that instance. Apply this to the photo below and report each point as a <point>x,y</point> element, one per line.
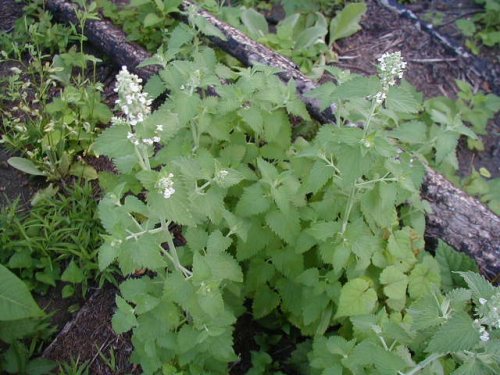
<point>324,235</point>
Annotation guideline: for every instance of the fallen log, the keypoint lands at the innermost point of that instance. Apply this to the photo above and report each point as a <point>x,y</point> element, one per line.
<point>458,219</point>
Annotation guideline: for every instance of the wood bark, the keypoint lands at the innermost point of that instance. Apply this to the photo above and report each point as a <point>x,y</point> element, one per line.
<point>458,219</point>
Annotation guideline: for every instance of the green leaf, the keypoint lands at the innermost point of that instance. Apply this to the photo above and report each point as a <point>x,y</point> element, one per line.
<point>107,255</point>
<point>346,22</point>
<point>450,261</point>
<point>210,301</point>
<point>357,297</point>
<point>424,278</point>
<point>25,165</point>
<point>479,286</point>
<point>206,27</point>
<point>253,201</point>
<point>403,99</point>
<point>255,22</point>
<point>395,283</point>
<point>264,302</point>
<point>287,227</point>
<point>323,230</point>
<point>40,366</point>
<point>217,242</point>
<point>151,19</point>
<point>412,132</point>
<point>73,273</point>
<point>124,318</point>
<point>456,335</point>
<point>310,36</point>
<point>82,170</point>
<point>467,27</point>
<point>16,301</point>
<point>113,143</point>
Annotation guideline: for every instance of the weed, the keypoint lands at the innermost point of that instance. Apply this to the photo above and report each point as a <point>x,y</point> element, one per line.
<point>55,241</point>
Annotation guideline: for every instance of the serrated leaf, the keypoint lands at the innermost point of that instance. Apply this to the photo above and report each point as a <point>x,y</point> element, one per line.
<point>403,99</point>
<point>424,278</point>
<point>264,302</point>
<point>479,286</point>
<point>395,283</point>
<point>224,267</point>
<point>287,227</point>
<point>253,201</point>
<point>268,171</point>
<point>411,132</point>
<point>425,312</point>
<point>113,143</point>
<point>210,301</point>
<point>217,242</point>
<point>450,261</point>
<point>346,22</point>
<point>318,176</point>
<point>357,297</point>
<point>207,28</point>
<point>323,230</point>
<point>456,335</point>
<point>124,318</point>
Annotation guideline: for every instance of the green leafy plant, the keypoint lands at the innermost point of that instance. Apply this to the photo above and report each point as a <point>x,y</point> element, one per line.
<point>56,241</point>
<point>483,28</point>
<point>317,233</point>
<point>20,319</point>
<point>51,134</point>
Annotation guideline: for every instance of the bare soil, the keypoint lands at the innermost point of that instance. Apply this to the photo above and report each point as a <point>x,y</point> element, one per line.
<point>431,68</point>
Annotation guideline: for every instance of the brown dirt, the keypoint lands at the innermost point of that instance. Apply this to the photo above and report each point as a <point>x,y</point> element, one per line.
<point>431,69</point>
<point>90,332</point>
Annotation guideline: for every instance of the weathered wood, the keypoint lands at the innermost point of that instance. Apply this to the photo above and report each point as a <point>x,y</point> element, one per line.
<point>458,219</point>
<point>463,222</point>
<point>104,35</point>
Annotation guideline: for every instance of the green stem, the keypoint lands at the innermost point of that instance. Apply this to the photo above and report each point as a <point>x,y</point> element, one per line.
<point>424,364</point>
<point>347,213</point>
<point>174,257</point>
<point>370,117</point>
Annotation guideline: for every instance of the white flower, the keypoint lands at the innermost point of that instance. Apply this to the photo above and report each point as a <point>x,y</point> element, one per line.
<point>222,174</point>
<point>390,67</point>
<point>166,186</point>
<point>131,100</point>
<point>485,336</point>
<point>132,138</point>
<point>482,301</point>
<point>159,128</point>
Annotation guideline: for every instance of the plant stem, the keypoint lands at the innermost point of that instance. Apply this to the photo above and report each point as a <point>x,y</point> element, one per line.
<point>424,363</point>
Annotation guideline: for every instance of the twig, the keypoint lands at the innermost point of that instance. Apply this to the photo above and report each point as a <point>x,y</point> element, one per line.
<point>432,60</point>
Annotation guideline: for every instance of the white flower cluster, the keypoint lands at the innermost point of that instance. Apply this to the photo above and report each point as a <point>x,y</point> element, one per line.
<point>166,186</point>
<point>489,316</point>
<point>390,67</point>
<point>134,103</point>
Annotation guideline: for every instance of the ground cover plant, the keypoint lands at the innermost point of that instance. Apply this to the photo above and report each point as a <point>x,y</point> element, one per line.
<point>312,232</point>
<point>317,235</point>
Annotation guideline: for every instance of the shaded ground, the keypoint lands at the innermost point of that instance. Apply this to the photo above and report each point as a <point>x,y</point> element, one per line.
<point>432,69</point>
